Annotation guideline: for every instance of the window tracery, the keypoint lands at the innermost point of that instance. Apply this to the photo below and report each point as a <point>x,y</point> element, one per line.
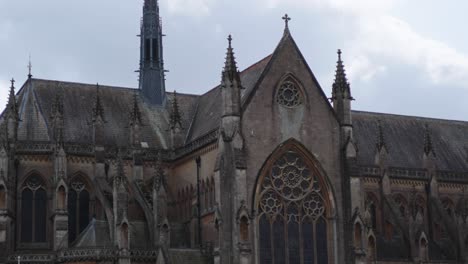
<point>292,213</point>
<point>289,94</point>
<point>78,209</point>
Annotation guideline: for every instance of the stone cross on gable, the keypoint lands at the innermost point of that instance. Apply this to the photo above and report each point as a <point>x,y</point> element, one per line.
<point>286,19</point>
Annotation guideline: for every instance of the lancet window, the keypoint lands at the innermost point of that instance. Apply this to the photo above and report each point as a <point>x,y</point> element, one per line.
<point>292,222</point>
<point>33,210</point>
<point>78,209</point>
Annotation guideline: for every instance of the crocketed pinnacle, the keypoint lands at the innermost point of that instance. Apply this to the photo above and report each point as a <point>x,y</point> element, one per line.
<point>57,105</point>
<point>380,138</point>
<point>135,114</point>
<point>12,105</point>
<point>175,117</point>
<point>98,110</point>
<point>428,147</point>
<point>120,175</point>
<point>150,4</point>
<point>341,88</point>
<point>159,177</point>
<point>230,67</point>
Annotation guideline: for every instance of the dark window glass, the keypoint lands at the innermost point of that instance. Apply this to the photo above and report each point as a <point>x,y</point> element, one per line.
<point>265,241</point>
<point>26,215</point>
<point>278,241</point>
<point>373,215</point>
<point>308,238</point>
<point>72,215</point>
<point>155,50</point>
<point>84,210</point>
<point>147,50</point>
<point>294,242</point>
<point>322,252</point>
<point>40,220</point>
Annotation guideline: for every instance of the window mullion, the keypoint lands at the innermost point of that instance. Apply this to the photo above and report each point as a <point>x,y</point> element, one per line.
<point>314,227</point>
<point>33,220</point>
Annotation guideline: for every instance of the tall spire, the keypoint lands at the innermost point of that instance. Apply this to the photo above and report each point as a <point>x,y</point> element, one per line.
<point>428,147</point>
<point>152,73</point>
<point>341,86</point>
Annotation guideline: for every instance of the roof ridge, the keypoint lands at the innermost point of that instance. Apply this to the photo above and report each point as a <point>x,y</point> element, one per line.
<point>411,116</point>
<point>82,83</point>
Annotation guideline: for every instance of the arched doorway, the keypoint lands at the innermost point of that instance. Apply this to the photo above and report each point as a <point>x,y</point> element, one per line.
<point>294,206</point>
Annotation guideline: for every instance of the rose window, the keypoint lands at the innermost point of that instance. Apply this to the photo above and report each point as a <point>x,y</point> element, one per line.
<point>289,95</point>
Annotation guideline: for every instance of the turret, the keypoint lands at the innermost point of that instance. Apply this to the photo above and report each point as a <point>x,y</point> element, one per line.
<point>152,79</point>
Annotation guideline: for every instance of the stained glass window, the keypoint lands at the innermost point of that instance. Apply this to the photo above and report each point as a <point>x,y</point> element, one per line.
<point>33,211</point>
<point>293,228</point>
<point>78,209</point>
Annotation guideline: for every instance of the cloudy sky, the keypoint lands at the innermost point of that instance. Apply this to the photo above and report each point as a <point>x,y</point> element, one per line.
<point>403,57</point>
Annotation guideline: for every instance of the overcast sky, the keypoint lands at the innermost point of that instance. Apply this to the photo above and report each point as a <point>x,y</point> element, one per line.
<point>402,57</point>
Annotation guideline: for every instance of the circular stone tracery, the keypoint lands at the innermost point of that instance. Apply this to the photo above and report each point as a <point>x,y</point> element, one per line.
<point>289,95</point>
<point>291,182</point>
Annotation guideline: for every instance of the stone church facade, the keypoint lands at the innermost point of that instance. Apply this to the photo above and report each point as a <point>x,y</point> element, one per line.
<point>264,168</point>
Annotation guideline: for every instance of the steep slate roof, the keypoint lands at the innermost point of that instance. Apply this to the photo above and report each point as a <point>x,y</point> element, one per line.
<point>36,97</point>
<point>404,137</point>
<point>208,116</point>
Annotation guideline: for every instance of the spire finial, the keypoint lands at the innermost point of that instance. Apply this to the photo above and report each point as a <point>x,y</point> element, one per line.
<point>286,19</point>
<point>29,67</point>
<point>229,40</point>
<point>339,54</point>
<point>12,83</point>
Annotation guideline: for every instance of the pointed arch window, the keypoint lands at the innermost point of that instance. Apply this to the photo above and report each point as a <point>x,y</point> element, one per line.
<point>78,209</point>
<point>33,211</point>
<point>293,225</point>
<point>289,94</point>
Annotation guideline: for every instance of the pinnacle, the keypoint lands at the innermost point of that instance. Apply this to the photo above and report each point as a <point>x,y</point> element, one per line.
<point>230,64</point>
<point>428,147</point>
<point>98,110</point>
<point>341,86</point>
<point>135,114</point>
<point>380,138</point>
<point>175,117</point>
<point>12,105</point>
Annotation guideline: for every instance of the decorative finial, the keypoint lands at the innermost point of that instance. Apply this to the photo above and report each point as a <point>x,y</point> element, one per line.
<point>286,19</point>
<point>339,54</point>
<point>29,67</point>
<point>229,39</point>
<point>12,83</point>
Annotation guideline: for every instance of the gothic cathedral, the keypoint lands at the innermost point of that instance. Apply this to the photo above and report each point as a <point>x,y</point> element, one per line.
<point>263,169</point>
